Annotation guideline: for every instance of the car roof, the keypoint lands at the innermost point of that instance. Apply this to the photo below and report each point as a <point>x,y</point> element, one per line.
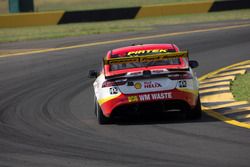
<point>122,50</point>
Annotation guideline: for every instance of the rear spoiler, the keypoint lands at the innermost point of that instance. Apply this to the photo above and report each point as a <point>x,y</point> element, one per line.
<point>146,58</point>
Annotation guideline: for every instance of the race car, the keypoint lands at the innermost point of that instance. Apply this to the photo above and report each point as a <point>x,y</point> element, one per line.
<point>158,75</point>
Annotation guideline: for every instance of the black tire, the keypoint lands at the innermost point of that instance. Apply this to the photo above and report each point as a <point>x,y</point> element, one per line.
<point>95,109</point>
<point>102,119</point>
<point>196,112</point>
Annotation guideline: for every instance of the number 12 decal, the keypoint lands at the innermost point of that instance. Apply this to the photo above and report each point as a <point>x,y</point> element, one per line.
<point>113,90</point>
<point>182,84</point>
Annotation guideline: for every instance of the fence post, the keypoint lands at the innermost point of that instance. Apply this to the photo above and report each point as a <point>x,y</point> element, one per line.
<point>16,6</point>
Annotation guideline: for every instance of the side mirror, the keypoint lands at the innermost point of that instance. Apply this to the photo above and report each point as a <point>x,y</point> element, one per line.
<point>193,63</point>
<point>93,74</point>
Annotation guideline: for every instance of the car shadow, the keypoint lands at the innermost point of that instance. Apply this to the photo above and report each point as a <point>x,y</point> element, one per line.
<point>159,118</point>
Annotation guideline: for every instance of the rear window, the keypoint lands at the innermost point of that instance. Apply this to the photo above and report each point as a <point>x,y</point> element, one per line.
<point>171,61</point>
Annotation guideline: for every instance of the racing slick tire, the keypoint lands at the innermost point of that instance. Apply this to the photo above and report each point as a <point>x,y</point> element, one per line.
<point>196,112</point>
<point>101,118</point>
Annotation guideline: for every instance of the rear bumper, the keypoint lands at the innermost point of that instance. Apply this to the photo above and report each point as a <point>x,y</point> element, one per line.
<point>189,96</point>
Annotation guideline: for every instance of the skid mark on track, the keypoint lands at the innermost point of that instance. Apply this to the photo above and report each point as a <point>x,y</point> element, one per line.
<point>217,98</point>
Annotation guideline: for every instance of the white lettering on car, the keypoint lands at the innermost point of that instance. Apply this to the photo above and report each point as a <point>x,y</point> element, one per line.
<point>144,97</point>
<point>161,96</point>
<point>155,96</point>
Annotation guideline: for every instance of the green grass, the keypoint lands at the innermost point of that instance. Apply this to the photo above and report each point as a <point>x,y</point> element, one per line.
<point>241,87</point>
<point>47,32</point>
<point>45,5</point>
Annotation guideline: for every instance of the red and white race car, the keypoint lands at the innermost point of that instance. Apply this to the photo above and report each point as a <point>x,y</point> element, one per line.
<point>156,74</point>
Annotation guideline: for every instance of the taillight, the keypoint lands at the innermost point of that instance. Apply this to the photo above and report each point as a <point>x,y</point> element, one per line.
<point>113,83</point>
<point>108,84</point>
<point>121,82</point>
<point>179,76</point>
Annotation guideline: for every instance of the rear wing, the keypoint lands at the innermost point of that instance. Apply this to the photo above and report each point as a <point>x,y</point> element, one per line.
<point>146,58</point>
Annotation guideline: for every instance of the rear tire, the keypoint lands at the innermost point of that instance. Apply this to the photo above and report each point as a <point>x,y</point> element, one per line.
<point>196,112</point>
<point>101,118</point>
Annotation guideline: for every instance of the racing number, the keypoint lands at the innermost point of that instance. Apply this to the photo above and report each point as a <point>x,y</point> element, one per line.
<point>182,84</point>
<point>113,90</point>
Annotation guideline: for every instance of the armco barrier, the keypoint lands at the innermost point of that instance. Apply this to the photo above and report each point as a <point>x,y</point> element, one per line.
<point>30,19</point>
<point>64,17</point>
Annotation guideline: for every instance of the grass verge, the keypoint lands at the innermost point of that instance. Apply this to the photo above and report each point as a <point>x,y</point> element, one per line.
<point>241,87</point>
<point>45,5</point>
<point>48,32</point>
<point>48,5</point>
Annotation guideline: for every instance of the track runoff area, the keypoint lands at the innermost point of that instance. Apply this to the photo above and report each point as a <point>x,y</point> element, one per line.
<point>217,99</point>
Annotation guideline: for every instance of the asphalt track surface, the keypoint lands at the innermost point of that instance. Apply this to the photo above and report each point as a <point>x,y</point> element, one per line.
<point>46,108</point>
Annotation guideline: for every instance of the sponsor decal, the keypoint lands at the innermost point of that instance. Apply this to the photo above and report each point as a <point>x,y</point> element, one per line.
<point>155,96</point>
<point>139,52</point>
<point>132,99</point>
<point>137,85</point>
<point>152,84</point>
<point>121,60</point>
